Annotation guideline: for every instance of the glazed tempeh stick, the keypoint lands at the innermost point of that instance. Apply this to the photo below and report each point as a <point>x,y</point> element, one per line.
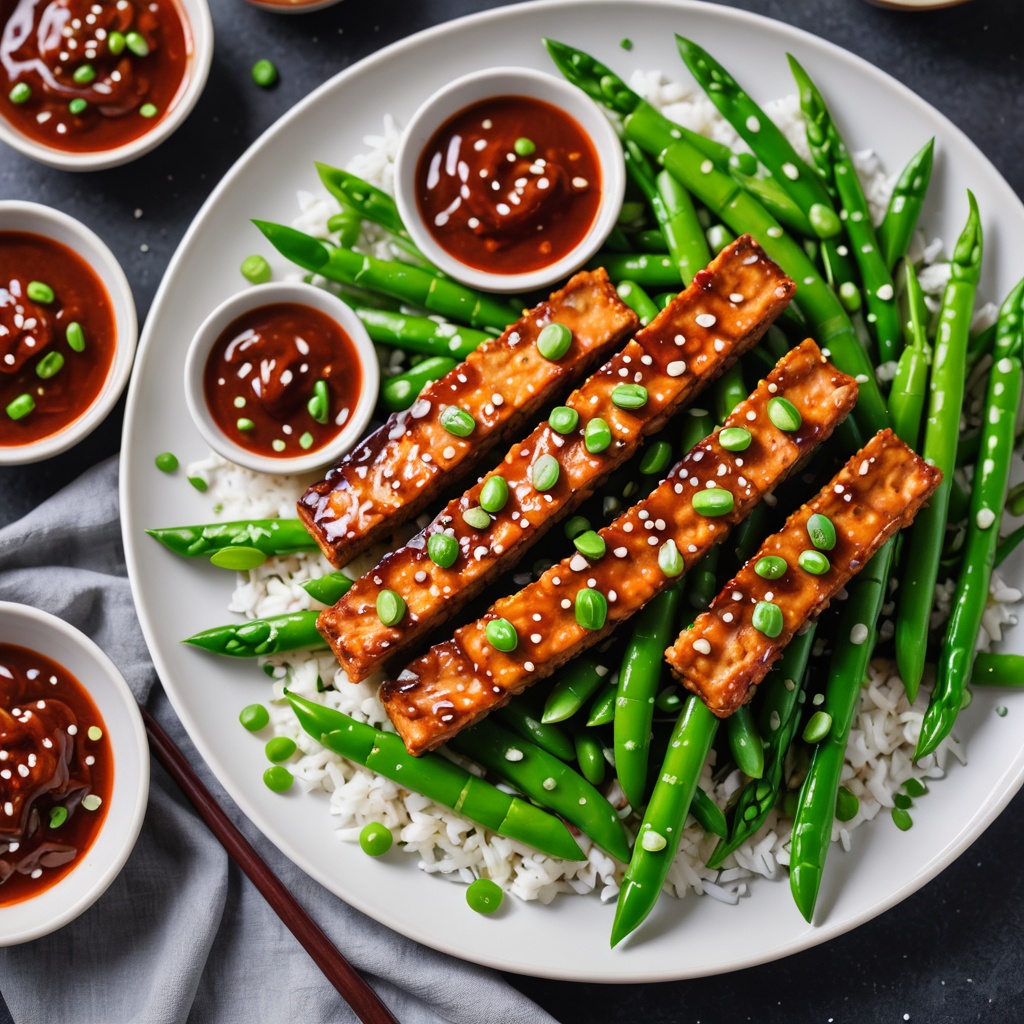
<point>701,332</point>
<point>708,491</point>
<point>395,472</point>
<point>724,655</point>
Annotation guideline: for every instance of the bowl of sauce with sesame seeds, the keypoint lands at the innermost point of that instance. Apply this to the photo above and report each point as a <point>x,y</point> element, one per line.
<point>86,84</point>
<point>74,772</point>
<point>509,179</point>
<point>67,332</point>
<point>282,378</point>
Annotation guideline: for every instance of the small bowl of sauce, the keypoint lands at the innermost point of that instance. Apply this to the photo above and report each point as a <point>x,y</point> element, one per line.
<point>68,332</point>
<point>86,85</point>
<point>509,179</point>
<point>74,773</point>
<point>282,378</point>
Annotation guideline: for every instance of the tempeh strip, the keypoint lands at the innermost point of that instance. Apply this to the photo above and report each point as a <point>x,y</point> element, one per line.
<point>461,680</point>
<point>723,656</point>
<point>396,471</point>
<point>700,333</point>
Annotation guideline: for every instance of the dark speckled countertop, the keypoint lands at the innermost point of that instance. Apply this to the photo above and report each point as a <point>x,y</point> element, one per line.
<point>954,952</point>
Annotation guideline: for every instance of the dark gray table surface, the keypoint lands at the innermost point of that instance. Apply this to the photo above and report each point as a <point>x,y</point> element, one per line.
<point>954,951</point>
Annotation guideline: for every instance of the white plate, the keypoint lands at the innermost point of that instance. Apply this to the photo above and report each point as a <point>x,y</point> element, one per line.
<point>175,598</point>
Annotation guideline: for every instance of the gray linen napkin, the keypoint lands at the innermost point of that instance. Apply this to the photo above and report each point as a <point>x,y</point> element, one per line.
<point>181,935</point>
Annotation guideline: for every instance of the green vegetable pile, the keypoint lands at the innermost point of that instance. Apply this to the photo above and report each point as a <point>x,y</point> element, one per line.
<point>562,745</point>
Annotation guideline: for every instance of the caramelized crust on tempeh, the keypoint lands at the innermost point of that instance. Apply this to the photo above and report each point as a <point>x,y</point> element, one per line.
<point>723,656</point>
<point>459,681</point>
<point>702,331</point>
<point>396,471</point>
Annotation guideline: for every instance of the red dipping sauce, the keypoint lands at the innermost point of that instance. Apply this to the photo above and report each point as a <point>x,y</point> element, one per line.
<point>509,185</point>
<point>50,371</point>
<point>91,75</point>
<point>56,773</point>
<point>282,380</point>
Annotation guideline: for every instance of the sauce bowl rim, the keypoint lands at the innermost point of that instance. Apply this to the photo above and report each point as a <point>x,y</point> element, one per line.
<point>57,226</point>
<point>254,297</point>
<point>487,83</point>
<point>199,25</point>
<point>60,903</point>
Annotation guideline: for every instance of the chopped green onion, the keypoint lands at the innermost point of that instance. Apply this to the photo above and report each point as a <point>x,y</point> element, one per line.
<point>278,778</point>
<point>484,896</point>
<point>443,549</point>
<point>713,501</point>
<point>813,562</point>
<point>597,436</point>
<point>784,414</point>
<point>375,839</point>
<point>279,748</point>
<point>591,608</point>
<point>40,291</point>
<point>18,408</point>
<point>494,494</point>
<point>476,517</point>
<point>771,567</point>
<point>457,421</point>
<point>137,44</point>
<point>563,420</point>
<point>554,341</point>
<point>629,396</point>
<point>545,472</point>
<point>524,146</point>
<point>767,618</point>
<point>670,561</point>
<point>319,405</point>
<point>20,93</point>
<point>821,532</point>
<point>734,439</point>
<point>50,365</point>
<point>390,608</point>
<point>590,544</point>
<point>502,635</point>
<point>256,269</point>
<point>166,462</point>
<point>75,336</point>
<point>254,717</point>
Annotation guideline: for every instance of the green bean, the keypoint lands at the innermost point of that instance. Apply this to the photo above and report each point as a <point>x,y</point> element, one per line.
<point>910,385</point>
<point>638,300</point>
<point>370,202</point>
<point>745,742</point>
<point>602,708</point>
<point>812,824</point>
<point>520,719</point>
<point>988,495</point>
<point>590,756</point>
<point>271,536</point>
<point>781,705</point>
<point>771,195</point>
<point>546,780</point>
<point>708,814</point>
<point>828,320</point>
<point>647,269</point>
<point>730,390</point>
<point>271,635</point>
<point>920,562</point>
<point>400,391</point>
<point>686,242</point>
<point>766,141</point>
<point>998,669</point>
<point>905,204</point>
<point>651,633</point>
<point>661,829</point>
<point>329,588</point>
<point>402,281</point>
<point>419,333</point>
<point>574,686</point>
<point>833,158</point>
<point>436,778</point>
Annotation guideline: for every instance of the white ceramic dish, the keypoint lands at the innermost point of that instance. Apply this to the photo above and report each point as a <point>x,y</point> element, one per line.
<point>43,220</point>
<point>98,867</point>
<point>175,598</point>
<point>196,14</point>
<point>439,108</point>
<point>264,295</point>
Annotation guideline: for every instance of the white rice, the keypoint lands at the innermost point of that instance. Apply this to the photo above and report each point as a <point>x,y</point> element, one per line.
<point>882,740</point>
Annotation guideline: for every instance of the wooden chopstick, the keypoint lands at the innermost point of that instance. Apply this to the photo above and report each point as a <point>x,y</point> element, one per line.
<point>339,972</point>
